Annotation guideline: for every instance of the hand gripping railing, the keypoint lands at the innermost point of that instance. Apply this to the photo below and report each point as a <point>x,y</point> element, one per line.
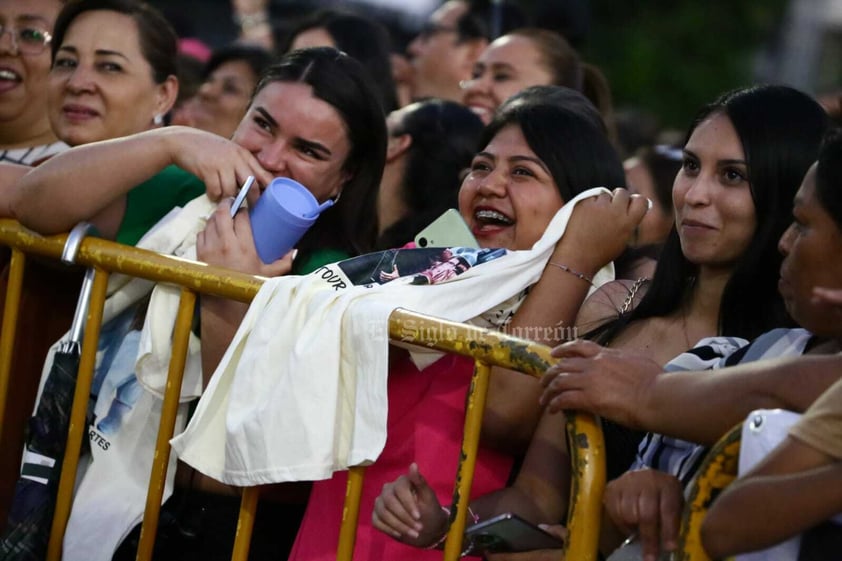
<point>718,470</point>
<point>105,258</point>
<point>487,347</point>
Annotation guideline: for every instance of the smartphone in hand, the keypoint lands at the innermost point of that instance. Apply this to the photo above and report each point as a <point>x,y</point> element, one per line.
<point>448,230</point>
<point>508,533</point>
<point>241,196</point>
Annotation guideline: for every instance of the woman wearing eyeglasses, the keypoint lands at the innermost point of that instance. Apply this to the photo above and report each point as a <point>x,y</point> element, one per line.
<point>112,75</point>
<point>25,133</point>
<point>26,138</point>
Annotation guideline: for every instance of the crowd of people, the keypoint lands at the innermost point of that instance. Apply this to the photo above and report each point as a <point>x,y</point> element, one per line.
<point>701,271</point>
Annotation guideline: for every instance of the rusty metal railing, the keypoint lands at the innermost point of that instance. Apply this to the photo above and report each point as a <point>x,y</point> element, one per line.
<point>718,470</point>
<point>487,348</point>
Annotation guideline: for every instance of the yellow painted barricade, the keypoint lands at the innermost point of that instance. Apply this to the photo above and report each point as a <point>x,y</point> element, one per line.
<point>488,348</point>
<point>717,471</point>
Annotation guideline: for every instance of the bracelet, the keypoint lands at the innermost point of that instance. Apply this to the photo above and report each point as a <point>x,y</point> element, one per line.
<point>576,274</point>
<point>446,531</point>
<point>473,515</point>
<point>442,539</point>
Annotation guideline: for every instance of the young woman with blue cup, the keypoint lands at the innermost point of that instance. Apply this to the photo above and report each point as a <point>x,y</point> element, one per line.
<point>315,120</point>
<point>281,216</point>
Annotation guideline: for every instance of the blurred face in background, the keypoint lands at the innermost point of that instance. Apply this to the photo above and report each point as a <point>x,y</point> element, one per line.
<point>439,59</point>
<point>223,98</point>
<point>314,37</point>
<point>508,65</point>
<point>658,221</point>
<point>24,66</point>
<point>101,86</point>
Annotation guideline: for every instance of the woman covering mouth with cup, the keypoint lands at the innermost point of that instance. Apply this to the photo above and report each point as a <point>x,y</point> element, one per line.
<point>313,119</point>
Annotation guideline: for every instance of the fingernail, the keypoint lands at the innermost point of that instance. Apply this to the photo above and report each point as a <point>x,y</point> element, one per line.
<point>416,515</point>
<point>413,534</point>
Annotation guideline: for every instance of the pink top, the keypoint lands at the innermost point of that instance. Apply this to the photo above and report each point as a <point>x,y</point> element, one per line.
<point>425,423</point>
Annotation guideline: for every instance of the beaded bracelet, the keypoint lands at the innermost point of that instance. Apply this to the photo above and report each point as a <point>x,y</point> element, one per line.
<point>576,274</point>
<point>442,539</point>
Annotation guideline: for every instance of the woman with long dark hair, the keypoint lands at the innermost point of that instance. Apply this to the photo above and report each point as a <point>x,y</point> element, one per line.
<point>431,144</point>
<point>744,158</point>
<point>545,146</point>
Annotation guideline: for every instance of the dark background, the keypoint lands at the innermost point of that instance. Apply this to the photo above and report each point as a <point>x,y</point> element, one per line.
<point>664,57</point>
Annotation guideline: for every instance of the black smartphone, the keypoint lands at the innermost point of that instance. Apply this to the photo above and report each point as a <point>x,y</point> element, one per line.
<point>509,533</point>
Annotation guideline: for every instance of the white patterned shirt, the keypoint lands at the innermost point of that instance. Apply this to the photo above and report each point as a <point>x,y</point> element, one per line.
<point>680,457</point>
<point>32,155</point>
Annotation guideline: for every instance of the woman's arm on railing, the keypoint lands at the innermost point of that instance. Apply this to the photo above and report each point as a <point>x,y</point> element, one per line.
<point>90,182</point>
<point>596,234</point>
<point>10,174</point>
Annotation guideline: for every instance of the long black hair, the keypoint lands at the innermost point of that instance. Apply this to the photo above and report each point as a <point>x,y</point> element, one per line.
<point>363,39</point>
<point>257,58</point>
<point>780,130</point>
<point>567,133</point>
<point>445,138</point>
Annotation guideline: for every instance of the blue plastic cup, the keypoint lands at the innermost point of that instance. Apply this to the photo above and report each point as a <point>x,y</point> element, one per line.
<point>281,216</point>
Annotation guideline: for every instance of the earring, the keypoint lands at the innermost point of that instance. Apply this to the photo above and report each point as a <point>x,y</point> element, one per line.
<point>158,120</point>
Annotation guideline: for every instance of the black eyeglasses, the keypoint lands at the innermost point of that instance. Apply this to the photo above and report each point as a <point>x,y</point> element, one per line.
<point>432,29</point>
<point>28,40</point>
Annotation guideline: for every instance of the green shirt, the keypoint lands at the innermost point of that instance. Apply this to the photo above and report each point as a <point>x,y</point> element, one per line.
<point>150,201</point>
<point>317,259</point>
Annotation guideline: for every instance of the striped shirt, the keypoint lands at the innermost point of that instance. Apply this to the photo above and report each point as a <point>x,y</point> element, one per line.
<point>32,155</point>
<point>680,457</point>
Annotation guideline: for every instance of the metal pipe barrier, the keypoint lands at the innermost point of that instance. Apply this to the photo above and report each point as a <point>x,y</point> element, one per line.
<point>487,348</point>
<point>718,470</point>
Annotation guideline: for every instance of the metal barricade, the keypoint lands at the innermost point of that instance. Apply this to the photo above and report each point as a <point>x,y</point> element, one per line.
<point>717,471</point>
<point>488,348</point>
